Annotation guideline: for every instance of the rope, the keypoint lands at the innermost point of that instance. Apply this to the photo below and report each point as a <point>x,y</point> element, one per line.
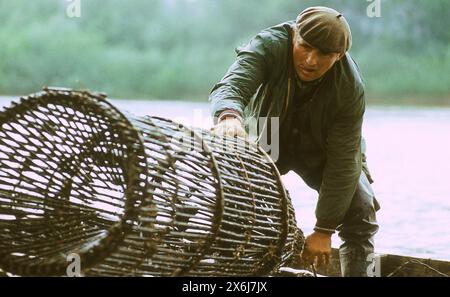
<point>313,268</point>
<point>401,267</point>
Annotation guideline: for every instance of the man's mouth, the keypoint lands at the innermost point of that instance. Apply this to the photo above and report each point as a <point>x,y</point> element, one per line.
<point>307,71</point>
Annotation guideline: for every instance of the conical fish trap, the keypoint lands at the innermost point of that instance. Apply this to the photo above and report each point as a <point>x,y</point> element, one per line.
<point>134,195</point>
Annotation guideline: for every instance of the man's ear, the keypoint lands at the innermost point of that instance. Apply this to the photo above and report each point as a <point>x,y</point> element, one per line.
<point>293,35</point>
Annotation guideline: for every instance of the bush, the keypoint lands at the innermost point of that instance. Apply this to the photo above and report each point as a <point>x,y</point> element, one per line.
<point>180,48</point>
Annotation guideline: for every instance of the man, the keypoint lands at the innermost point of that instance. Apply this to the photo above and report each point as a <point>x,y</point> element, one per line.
<point>300,72</point>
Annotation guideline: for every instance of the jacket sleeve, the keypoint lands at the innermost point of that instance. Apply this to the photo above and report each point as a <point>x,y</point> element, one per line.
<point>242,79</point>
<point>343,166</point>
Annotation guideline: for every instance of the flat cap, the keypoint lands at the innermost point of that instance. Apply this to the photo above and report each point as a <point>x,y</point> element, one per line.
<point>325,29</point>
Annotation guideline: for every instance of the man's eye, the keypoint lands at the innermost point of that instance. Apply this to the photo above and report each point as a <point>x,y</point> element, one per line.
<point>326,55</point>
<point>305,46</point>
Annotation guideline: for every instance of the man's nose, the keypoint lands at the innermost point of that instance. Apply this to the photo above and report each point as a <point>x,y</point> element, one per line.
<point>311,59</point>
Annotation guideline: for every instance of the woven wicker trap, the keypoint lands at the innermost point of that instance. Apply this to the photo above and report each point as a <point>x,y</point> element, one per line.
<point>134,196</point>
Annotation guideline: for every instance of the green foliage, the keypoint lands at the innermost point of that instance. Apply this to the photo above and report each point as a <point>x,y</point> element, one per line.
<point>180,48</point>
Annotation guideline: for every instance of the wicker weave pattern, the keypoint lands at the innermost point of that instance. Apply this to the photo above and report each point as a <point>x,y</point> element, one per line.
<point>134,195</point>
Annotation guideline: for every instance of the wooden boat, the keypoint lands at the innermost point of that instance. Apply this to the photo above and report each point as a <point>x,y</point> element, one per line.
<point>385,265</point>
<point>388,265</point>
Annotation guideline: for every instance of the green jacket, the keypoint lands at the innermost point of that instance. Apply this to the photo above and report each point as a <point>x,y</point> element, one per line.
<point>259,84</point>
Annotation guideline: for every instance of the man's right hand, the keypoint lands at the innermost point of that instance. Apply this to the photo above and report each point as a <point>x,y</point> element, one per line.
<point>229,126</point>
<point>317,249</point>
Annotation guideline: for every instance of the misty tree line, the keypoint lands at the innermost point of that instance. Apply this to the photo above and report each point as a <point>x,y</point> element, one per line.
<point>177,49</point>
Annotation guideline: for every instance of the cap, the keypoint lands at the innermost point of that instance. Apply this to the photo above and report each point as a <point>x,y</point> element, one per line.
<point>325,29</point>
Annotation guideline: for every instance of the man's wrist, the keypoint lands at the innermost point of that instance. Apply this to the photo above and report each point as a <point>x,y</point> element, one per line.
<point>230,113</point>
<point>326,227</point>
<point>324,230</point>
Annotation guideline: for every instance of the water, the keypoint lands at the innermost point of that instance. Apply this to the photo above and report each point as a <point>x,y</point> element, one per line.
<point>408,155</point>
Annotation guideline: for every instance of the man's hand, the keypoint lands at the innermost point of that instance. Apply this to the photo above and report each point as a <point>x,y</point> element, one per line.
<point>230,126</point>
<point>317,249</point>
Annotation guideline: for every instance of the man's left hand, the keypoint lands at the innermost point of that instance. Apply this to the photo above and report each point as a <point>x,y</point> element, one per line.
<point>317,249</point>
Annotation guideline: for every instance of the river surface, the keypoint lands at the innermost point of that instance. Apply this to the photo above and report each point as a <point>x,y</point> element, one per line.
<point>408,150</point>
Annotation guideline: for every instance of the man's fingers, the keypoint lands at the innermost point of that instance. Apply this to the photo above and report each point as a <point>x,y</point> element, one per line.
<point>215,130</point>
<point>323,260</point>
<point>220,130</point>
<point>228,130</point>
<point>305,256</point>
<point>316,261</point>
<point>327,258</point>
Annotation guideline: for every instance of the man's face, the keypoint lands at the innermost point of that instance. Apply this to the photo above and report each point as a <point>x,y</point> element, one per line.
<point>310,63</point>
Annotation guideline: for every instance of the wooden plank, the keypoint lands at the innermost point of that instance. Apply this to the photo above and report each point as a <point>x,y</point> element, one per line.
<point>401,266</point>
<point>390,265</point>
